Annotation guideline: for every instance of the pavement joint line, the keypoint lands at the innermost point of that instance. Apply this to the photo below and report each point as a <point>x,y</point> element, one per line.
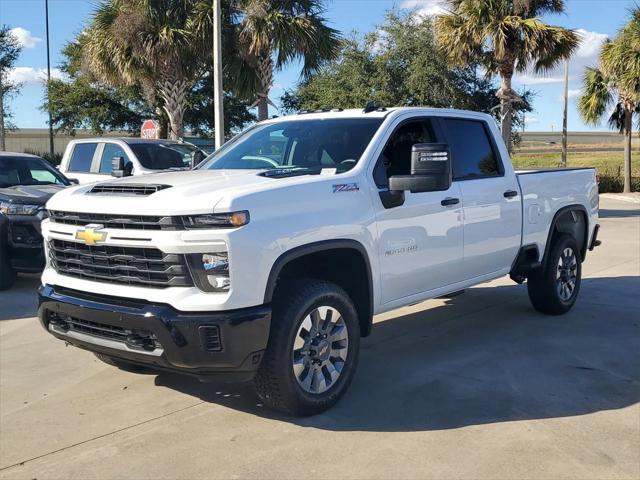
<point>21,463</point>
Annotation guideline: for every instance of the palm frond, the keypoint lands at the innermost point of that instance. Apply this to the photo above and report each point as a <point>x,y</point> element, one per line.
<point>597,96</point>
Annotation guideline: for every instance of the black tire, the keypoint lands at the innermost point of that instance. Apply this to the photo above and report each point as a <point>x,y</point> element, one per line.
<point>276,383</point>
<point>545,293</point>
<point>121,364</point>
<point>7,273</point>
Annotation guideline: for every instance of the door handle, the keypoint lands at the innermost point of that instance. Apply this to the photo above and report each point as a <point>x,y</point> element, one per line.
<point>449,201</point>
<point>510,194</point>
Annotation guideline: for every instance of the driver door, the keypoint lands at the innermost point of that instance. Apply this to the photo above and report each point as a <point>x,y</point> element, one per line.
<point>420,242</point>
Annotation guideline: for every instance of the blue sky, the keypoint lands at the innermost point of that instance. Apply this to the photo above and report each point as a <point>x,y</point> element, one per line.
<point>595,19</point>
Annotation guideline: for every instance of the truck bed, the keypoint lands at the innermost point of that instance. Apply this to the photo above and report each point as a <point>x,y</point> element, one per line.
<point>546,192</point>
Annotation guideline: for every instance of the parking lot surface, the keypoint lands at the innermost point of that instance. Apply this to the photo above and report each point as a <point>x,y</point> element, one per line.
<point>476,386</point>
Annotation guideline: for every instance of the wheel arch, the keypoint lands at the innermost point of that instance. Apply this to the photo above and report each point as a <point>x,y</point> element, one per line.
<point>326,260</point>
<point>573,220</point>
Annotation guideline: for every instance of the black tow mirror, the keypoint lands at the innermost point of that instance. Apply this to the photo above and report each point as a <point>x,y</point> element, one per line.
<point>118,167</point>
<point>197,158</point>
<point>430,170</point>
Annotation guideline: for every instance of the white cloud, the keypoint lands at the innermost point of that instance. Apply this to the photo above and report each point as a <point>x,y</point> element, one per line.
<point>25,38</point>
<point>574,92</point>
<point>586,55</point>
<point>427,7</point>
<point>528,120</point>
<point>30,75</point>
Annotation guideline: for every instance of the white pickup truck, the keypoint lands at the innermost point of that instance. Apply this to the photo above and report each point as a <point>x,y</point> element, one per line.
<point>269,261</point>
<point>90,160</point>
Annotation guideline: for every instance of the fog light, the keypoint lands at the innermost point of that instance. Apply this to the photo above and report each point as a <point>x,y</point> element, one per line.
<point>211,271</point>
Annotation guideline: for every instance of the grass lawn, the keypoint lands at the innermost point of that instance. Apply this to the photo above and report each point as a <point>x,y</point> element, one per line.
<point>607,163</point>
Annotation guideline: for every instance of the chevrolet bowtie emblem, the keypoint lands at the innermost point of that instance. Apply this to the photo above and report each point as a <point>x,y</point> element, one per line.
<point>90,234</point>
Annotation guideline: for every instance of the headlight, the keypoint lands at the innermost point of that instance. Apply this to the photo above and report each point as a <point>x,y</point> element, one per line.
<point>210,271</point>
<point>217,220</point>
<point>9,208</point>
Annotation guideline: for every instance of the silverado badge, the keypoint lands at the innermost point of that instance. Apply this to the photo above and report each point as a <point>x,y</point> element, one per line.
<point>90,234</point>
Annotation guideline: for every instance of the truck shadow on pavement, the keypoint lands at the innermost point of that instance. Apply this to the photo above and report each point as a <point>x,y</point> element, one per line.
<point>604,213</point>
<point>483,357</point>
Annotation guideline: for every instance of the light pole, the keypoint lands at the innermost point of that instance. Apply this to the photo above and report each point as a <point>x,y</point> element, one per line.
<point>46,17</point>
<point>564,113</point>
<point>218,97</point>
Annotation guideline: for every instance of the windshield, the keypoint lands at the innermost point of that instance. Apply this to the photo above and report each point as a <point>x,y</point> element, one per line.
<point>163,156</point>
<point>298,144</point>
<point>28,171</point>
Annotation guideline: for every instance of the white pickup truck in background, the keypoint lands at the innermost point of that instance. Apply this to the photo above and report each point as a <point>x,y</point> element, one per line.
<point>91,160</point>
<point>269,261</point>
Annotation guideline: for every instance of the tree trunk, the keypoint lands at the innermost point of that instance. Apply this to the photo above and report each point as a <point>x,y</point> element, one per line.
<point>174,95</point>
<point>263,108</point>
<point>628,134</point>
<point>505,94</point>
<point>2,130</point>
<point>265,73</point>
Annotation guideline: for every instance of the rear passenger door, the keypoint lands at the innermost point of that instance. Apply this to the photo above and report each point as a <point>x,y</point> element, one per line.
<point>80,162</point>
<point>490,197</point>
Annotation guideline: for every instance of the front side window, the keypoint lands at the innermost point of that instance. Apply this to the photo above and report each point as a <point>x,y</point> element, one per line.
<point>472,154</point>
<point>298,144</point>
<point>82,157</point>
<point>163,156</point>
<point>109,151</point>
<point>28,171</point>
<point>396,156</point>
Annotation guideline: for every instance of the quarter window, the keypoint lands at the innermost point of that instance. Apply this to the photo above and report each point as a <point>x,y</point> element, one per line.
<point>82,157</point>
<point>472,154</point>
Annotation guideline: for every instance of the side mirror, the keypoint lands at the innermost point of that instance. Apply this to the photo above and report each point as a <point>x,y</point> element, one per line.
<point>197,158</point>
<point>430,170</point>
<point>73,181</point>
<point>118,167</point>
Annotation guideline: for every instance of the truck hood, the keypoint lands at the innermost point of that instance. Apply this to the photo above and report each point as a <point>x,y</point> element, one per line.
<point>179,193</point>
<point>29,194</point>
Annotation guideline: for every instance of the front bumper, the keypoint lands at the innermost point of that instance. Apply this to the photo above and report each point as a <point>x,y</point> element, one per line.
<point>20,237</point>
<point>221,345</point>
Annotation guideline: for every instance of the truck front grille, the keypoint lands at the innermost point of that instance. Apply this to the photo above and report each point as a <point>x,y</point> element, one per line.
<point>125,222</point>
<point>147,267</point>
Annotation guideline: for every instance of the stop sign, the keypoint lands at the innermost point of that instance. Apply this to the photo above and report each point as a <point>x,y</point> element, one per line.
<point>150,130</point>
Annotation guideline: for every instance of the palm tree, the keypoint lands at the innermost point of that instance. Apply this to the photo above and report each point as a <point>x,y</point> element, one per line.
<point>616,82</point>
<point>156,43</point>
<point>270,34</point>
<point>506,36</point>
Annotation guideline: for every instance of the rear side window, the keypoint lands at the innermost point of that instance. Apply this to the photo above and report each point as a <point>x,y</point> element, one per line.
<point>111,150</point>
<point>81,157</point>
<point>472,153</point>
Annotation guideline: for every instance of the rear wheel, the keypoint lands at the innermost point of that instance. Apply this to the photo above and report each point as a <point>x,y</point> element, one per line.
<point>313,348</point>
<point>554,288</point>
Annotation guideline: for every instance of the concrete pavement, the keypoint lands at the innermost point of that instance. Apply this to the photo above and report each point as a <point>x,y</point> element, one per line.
<point>477,386</point>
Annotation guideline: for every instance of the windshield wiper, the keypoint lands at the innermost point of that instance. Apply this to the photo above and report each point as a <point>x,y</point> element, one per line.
<point>289,172</point>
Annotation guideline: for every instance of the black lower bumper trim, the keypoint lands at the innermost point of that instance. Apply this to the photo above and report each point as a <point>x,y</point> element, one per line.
<point>174,342</point>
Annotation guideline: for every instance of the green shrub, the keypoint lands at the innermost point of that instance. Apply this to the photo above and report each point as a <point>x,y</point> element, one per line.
<point>54,159</point>
<point>615,184</point>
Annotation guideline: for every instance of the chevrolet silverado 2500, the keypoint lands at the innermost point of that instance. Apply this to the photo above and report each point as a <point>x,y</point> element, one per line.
<point>268,262</point>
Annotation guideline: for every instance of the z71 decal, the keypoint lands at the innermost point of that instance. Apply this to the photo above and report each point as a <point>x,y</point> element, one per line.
<point>345,187</point>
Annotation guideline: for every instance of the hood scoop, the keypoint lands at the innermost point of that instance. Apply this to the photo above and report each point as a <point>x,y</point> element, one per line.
<point>137,190</point>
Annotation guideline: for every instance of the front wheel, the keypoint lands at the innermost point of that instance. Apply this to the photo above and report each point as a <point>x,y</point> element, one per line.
<point>554,288</point>
<point>313,348</point>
